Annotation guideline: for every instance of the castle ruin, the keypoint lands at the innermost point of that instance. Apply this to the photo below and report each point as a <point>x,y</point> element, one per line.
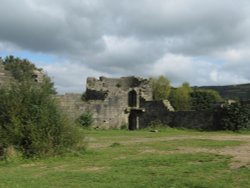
<point>113,102</point>
<point>127,102</point>
<point>124,102</point>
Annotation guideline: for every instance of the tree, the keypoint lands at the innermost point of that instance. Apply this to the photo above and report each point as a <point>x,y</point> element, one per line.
<point>31,122</point>
<point>204,99</point>
<point>23,70</point>
<point>161,88</point>
<point>180,97</point>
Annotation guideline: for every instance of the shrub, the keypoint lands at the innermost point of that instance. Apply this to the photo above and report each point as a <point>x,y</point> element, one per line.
<point>235,117</point>
<point>31,122</point>
<point>85,120</point>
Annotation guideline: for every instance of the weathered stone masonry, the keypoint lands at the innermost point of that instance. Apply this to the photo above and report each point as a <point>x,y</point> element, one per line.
<point>127,101</point>
<point>114,102</point>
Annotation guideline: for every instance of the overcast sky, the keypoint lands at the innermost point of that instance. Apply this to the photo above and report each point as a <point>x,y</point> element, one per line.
<point>203,42</point>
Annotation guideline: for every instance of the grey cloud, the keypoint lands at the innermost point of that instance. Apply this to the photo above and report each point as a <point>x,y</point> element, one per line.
<point>145,31</point>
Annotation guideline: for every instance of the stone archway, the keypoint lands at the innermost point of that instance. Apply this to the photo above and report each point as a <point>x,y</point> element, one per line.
<point>132,98</point>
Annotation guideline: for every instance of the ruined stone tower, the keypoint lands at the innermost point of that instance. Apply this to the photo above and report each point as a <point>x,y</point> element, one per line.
<point>114,102</point>
<point>121,98</point>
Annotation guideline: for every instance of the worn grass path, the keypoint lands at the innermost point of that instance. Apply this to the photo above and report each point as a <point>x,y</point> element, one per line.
<point>119,158</point>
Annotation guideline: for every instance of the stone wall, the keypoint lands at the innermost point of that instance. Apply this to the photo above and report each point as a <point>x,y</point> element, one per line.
<point>99,89</point>
<point>158,111</point>
<point>107,99</point>
<point>201,120</point>
<point>111,105</point>
<point>110,113</point>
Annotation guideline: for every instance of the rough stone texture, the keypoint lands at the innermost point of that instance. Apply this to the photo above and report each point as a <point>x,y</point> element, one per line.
<point>38,76</point>
<point>158,111</point>
<point>113,102</point>
<point>128,101</point>
<point>102,88</point>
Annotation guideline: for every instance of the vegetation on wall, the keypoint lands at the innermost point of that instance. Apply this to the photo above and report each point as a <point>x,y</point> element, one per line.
<point>23,70</point>
<point>85,120</point>
<point>20,69</point>
<point>235,117</point>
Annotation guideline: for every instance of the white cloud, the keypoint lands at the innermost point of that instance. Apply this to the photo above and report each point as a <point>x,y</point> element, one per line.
<point>203,42</point>
<point>69,77</point>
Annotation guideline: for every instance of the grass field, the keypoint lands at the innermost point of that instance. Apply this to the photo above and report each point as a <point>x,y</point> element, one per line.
<point>120,158</point>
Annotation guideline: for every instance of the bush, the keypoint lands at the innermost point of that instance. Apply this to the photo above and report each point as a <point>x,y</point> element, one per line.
<point>31,122</point>
<point>85,120</point>
<point>235,117</point>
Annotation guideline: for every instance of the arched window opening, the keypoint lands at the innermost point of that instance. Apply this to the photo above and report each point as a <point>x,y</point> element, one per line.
<point>132,98</point>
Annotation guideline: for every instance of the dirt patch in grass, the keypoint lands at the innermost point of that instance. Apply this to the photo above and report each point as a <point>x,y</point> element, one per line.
<point>240,154</point>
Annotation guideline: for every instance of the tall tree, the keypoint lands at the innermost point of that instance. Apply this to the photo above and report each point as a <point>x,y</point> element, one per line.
<point>204,99</point>
<point>180,97</point>
<point>161,88</point>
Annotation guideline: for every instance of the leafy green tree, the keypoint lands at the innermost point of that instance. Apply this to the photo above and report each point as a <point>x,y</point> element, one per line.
<point>31,122</point>
<point>180,97</point>
<point>23,70</point>
<point>20,69</point>
<point>161,88</point>
<point>204,99</point>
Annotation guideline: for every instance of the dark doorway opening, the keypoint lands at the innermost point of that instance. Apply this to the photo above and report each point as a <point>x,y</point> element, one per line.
<point>132,121</point>
<point>132,98</point>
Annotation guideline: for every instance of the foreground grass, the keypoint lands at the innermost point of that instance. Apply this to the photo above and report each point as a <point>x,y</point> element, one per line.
<point>134,159</point>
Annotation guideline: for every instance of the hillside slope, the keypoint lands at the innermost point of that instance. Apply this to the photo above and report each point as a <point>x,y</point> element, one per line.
<point>241,91</point>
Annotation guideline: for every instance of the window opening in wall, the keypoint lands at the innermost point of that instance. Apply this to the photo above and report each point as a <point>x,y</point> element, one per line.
<point>132,98</point>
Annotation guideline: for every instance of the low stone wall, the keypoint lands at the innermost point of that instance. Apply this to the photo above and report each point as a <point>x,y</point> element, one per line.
<point>157,111</point>
<point>193,119</point>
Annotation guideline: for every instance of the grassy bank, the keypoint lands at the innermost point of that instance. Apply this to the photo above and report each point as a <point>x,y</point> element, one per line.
<point>120,158</point>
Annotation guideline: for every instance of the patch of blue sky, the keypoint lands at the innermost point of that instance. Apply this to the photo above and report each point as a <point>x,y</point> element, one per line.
<point>213,60</point>
<point>31,56</point>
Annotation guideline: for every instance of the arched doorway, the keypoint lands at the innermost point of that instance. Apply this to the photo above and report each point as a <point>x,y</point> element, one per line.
<point>132,121</point>
<point>132,98</point>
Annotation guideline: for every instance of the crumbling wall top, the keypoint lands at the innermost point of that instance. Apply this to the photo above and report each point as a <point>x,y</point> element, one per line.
<point>106,87</point>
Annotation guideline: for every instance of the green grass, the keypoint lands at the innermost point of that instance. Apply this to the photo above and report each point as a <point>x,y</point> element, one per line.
<point>120,158</point>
